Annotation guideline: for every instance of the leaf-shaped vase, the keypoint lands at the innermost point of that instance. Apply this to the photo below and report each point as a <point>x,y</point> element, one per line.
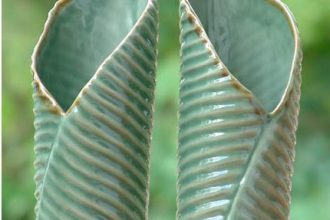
<point>239,103</point>
<point>94,78</point>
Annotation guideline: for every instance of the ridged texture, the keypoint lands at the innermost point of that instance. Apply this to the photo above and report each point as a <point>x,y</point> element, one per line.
<point>98,166</point>
<point>266,192</point>
<point>46,124</point>
<point>235,159</point>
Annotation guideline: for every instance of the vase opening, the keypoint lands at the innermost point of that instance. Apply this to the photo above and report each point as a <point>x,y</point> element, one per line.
<point>79,36</point>
<point>254,40</point>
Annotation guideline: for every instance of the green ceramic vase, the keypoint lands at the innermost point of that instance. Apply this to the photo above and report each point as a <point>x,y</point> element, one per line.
<point>239,103</point>
<point>94,78</point>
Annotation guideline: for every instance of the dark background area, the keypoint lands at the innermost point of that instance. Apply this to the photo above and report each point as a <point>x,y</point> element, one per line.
<point>22,24</point>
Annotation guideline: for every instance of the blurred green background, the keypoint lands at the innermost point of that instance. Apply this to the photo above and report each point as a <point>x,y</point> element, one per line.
<point>22,24</point>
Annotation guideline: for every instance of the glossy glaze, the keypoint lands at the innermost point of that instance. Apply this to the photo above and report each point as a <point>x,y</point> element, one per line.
<point>94,78</point>
<point>239,103</point>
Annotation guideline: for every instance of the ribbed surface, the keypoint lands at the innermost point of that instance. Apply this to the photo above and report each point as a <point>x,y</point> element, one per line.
<point>46,125</point>
<point>99,164</point>
<point>267,191</point>
<point>235,162</point>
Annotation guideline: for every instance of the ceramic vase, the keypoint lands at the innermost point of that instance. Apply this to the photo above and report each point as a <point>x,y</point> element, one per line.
<point>239,103</point>
<point>94,78</point>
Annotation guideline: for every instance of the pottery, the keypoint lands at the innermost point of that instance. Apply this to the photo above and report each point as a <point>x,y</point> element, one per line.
<point>239,103</point>
<point>94,79</point>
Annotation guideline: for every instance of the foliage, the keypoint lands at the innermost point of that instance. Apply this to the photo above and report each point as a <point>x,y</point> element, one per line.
<point>22,25</point>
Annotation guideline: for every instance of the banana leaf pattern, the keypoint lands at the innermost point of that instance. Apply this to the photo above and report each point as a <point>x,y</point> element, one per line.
<point>92,157</point>
<point>236,152</point>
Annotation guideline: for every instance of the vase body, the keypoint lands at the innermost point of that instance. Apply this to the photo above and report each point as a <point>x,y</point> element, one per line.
<point>94,78</point>
<point>239,103</point>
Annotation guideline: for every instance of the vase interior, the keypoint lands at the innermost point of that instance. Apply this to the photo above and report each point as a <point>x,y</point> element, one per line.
<point>78,37</point>
<point>254,40</point>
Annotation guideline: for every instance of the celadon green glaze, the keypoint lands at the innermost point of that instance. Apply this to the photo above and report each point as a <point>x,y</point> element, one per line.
<point>239,103</point>
<point>94,79</point>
